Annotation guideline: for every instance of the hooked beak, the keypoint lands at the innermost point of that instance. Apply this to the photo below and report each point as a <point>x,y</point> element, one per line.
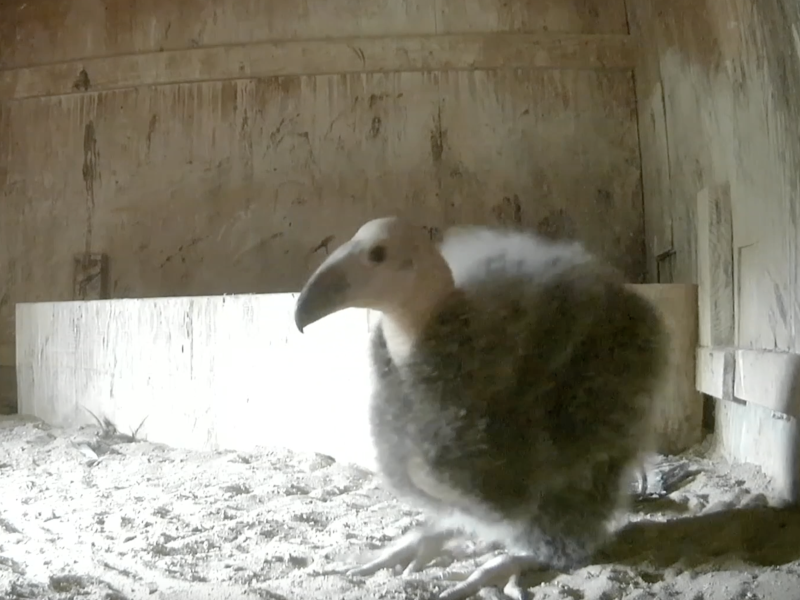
<point>325,292</point>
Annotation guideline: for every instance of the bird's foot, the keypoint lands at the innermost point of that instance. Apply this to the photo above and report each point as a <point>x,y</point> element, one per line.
<point>502,570</point>
<point>412,552</point>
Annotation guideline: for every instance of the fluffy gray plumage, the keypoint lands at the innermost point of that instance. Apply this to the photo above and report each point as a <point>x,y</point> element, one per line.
<point>512,400</point>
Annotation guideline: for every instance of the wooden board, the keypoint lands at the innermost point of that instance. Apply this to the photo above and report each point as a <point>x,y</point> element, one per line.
<point>768,379</point>
<point>757,407</point>
<point>233,187</point>
<point>653,140</point>
<point>463,52</point>
<point>206,373</point>
<point>715,266</point>
<point>716,371</point>
<point>36,33</point>
<point>729,89</point>
<point>679,412</point>
<point>232,372</point>
<point>753,434</point>
<point>221,146</point>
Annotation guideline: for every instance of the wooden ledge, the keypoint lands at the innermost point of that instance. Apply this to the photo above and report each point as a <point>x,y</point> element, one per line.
<point>770,379</point>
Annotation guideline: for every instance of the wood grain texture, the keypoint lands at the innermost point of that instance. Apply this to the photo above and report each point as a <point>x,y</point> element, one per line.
<point>715,371</point>
<point>296,122</point>
<point>727,73</point>
<point>679,407</point>
<point>232,187</point>
<point>756,435</point>
<point>715,266</point>
<point>211,372</point>
<point>207,373</point>
<point>466,52</point>
<point>769,379</point>
<point>37,32</point>
<point>653,139</point>
<point>759,377</point>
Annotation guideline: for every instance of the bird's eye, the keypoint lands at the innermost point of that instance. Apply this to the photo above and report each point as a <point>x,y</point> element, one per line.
<point>377,254</point>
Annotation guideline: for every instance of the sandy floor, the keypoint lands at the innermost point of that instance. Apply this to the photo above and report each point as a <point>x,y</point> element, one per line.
<point>83,518</point>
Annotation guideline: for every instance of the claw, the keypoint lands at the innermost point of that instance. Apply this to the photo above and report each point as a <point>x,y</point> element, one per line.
<point>412,553</point>
<point>504,569</point>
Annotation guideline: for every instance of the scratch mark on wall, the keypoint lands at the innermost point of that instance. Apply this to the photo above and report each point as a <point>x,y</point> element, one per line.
<point>375,98</point>
<point>90,175</point>
<point>434,233</point>
<point>438,137</point>
<point>323,245</point>
<point>360,54</point>
<point>375,128</point>
<point>151,128</point>
<point>276,135</point>
<point>180,251</point>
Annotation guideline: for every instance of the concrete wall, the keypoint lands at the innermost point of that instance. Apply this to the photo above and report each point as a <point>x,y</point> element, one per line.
<point>221,146</point>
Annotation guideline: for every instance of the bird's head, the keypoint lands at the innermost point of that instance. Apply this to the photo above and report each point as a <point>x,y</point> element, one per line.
<point>390,265</point>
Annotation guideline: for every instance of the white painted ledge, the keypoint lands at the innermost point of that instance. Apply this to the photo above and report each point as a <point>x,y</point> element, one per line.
<point>770,379</point>
<point>219,372</point>
<point>757,406</point>
<point>232,372</point>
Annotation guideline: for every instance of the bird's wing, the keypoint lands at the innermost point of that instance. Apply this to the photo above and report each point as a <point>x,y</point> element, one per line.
<point>476,253</point>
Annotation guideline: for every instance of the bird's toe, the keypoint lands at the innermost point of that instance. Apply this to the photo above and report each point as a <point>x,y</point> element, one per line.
<point>411,553</point>
<point>515,591</point>
<point>501,570</point>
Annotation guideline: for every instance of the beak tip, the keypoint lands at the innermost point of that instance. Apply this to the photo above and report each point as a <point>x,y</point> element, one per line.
<point>298,322</point>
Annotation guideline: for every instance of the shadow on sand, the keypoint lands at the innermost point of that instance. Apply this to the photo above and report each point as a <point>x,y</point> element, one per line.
<point>760,536</point>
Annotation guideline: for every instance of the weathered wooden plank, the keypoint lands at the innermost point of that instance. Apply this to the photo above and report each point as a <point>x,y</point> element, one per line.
<point>232,372</point>
<point>753,434</point>
<point>760,377</point>
<point>566,16</point>
<point>715,266</point>
<point>320,57</point>
<point>715,372</point>
<point>730,94</point>
<point>207,373</point>
<point>769,379</point>
<point>763,273</point>
<point>40,32</point>
<point>679,409</point>
<point>756,410</point>
<point>239,186</point>
<point>36,32</point>
<point>653,139</point>
<point>526,148</point>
